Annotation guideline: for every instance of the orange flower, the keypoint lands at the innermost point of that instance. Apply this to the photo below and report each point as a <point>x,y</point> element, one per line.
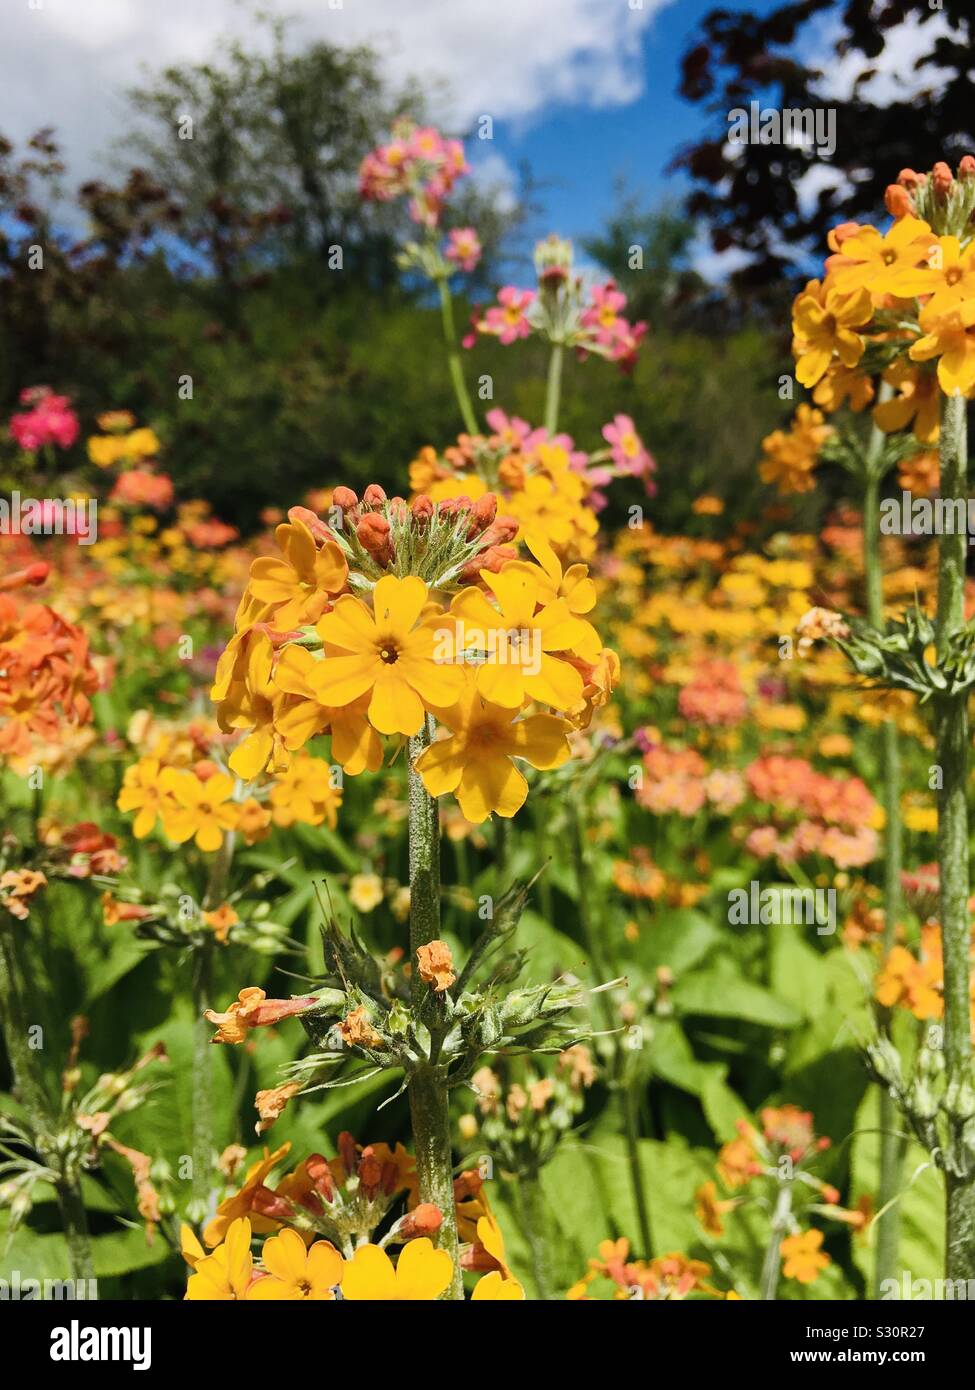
<point>252,1009</point>
<point>802,1258</point>
<point>436,966</point>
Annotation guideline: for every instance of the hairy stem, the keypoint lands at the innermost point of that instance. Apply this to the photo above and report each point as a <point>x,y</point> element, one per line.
<point>892,1144</point>
<point>454,365</point>
<point>951,726</point>
<point>429,1111</point>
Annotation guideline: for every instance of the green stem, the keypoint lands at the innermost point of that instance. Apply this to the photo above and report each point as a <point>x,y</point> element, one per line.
<point>429,1110</point>
<point>454,364</point>
<point>36,1102</point>
<point>623,1086</point>
<point>773,1253</point>
<point>531,1203</point>
<point>951,726</point>
<point>553,388</point>
<point>201,1102</point>
<point>892,1144</point>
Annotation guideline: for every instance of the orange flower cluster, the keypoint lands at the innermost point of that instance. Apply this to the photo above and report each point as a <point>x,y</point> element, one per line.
<point>46,673</point>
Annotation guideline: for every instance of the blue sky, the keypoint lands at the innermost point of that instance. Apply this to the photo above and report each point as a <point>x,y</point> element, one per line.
<point>578,152</point>
<point>580,90</point>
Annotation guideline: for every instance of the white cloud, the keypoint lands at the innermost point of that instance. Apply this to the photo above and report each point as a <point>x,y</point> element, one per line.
<point>68,62</point>
<point>894,77</point>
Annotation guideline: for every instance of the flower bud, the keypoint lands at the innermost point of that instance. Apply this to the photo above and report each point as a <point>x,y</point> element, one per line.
<point>908,179</point>
<point>312,520</point>
<point>966,169</point>
<point>424,1220</point>
<point>483,512</point>
<point>345,499</point>
<point>942,179</point>
<point>374,496</point>
<point>373,533</point>
<point>897,200</point>
<point>422,509</point>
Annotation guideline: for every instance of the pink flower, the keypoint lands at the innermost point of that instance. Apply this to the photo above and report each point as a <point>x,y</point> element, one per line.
<point>463,248</point>
<point>629,454</point>
<point>418,161</point>
<point>511,430</point>
<point>612,335</point>
<point>506,319</point>
<point>50,421</point>
<point>141,488</point>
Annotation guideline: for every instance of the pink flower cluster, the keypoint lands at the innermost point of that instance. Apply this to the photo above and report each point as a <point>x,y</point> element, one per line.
<point>463,248</point>
<point>678,781</point>
<point>418,161</point>
<point>611,333</point>
<point>140,487</point>
<point>714,695</point>
<point>836,813</point>
<point>49,420</point>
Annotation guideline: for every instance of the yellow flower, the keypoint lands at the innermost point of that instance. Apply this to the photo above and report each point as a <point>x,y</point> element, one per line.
<point>226,1273</point>
<point>389,652</point>
<point>189,1247</point>
<point>475,762</point>
<point>356,746</point>
<point>883,265</point>
<point>141,443</point>
<point>952,278</point>
<point>917,399</point>
<point>496,1287</point>
<point>518,643</point>
<point>305,793</point>
<point>202,810</point>
<point>295,589</point>
<point>421,1274</point>
<point>823,324</point>
<point>365,892</point>
<point>239,1205</point>
<point>294,1271</point>
<point>950,338</point>
<point>244,696</point>
<point>141,791</point>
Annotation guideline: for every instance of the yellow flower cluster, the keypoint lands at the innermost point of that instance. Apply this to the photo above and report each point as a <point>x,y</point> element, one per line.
<point>309,656</point>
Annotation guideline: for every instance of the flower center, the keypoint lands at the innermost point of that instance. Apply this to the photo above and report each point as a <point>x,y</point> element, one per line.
<point>890,256</point>
<point>389,654</point>
<point>953,275</point>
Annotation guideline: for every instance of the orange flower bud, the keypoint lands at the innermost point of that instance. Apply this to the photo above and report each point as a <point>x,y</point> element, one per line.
<point>942,179</point>
<point>966,169</point>
<point>484,511</point>
<point>34,574</point>
<point>373,533</point>
<point>311,519</point>
<point>836,237</point>
<point>374,496</point>
<point>422,509</point>
<point>424,1220</point>
<point>908,179</point>
<point>345,499</point>
<point>897,200</point>
<point>268,1203</point>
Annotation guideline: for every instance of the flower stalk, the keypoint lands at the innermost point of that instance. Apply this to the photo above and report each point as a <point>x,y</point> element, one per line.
<point>951,729</point>
<point>429,1110</point>
<point>891,1139</point>
<point>454,364</point>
